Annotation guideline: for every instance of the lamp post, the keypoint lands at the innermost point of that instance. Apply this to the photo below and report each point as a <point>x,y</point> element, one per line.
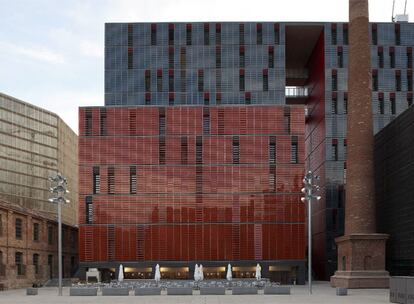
<point>308,190</point>
<point>59,184</point>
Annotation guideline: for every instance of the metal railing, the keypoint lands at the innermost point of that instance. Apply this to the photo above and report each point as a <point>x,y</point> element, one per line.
<point>296,92</point>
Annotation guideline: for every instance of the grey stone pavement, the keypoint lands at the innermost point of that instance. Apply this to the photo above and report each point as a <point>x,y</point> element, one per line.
<point>322,293</point>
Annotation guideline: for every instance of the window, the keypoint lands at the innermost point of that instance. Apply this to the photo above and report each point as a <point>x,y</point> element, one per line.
<point>397,34</point>
<point>111,180</point>
<point>343,263</point>
<point>265,80</point>
<point>409,99</point>
<point>188,34</point>
<point>218,98</point>
<point>200,81</point>
<point>102,121</point>
<point>380,57</point>
<point>130,59</point>
<point>259,33</point>
<point>241,33</point>
<point>409,80</point>
<point>272,181</point>
<point>147,80</point>
<point>50,235</point>
<point>171,80</point>
<point>241,57</point>
<point>294,150</point>
<point>276,33</point>
<point>18,229</point>
<point>398,80</point>
<point>381,102</point>
<point>147,98</point>
<point>345,102</point>
<point>170,57</point>
<point>206,121</point>
<point>334,109</point>
<point>183,79</point>
<point>153,34</point>
<point>340,55</point>
<point>96,180</point>
<point>133,180</point>
<point>130,35</point>
<point>333,34</point>
<point>286,120</point>
<point>159,80</point>
<point>206,34</point>
<point>409,58</point>
<point>220,122</point>
<point>374,80</point>
<point>88,122</point>
<point>161,150</point>
<point>19,263</point>
<point>36,263</point>
<point>345,33</point>
<point>206,98</point>
<point>132,125</point>
<point>334,150</point>
<point>272,150</point>
<point>50,264</point>
<point>218,57</point>
<point>199,150</point>
<point>184,150</point>
<point>392,57</point>
<point>36,228</point>
<point>218,33</point>
<point>218,80</point>
<point>161,122</point>
<point>170,34</point>
<point>374,34</point>
<point>393,105</point>
<point>334,80</point>
<point>183,57</point>
<point>345,148</point>
<point>241,80</point>
<point>236,150</point>
<point>247,98</point>
<point>271,56</point>
<point>171,98</point>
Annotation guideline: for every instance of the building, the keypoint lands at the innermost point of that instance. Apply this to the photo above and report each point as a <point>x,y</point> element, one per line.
<point>34,144</point>
<point>394,165</point>
<point>266,63</point>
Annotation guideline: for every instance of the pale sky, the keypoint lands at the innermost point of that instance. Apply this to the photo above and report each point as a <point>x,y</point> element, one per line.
<point>52,51</point>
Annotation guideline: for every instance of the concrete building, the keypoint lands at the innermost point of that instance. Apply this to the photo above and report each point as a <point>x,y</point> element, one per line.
<point>34,144</point>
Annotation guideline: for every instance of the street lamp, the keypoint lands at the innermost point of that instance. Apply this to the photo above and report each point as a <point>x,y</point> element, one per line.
<point>59,184</point>
<point>308,190</point>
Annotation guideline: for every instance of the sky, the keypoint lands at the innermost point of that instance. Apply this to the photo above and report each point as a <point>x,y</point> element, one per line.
<point>52,51</point>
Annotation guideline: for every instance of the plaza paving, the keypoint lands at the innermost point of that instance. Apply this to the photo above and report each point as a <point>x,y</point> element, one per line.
<point>322,293</point>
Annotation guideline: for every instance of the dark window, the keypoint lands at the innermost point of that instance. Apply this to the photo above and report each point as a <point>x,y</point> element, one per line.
<point>206,121</point>
<point>409,80</point>
<point>272,150</point>
<point>111,180</point>
<point>218,98</point>
<point>206,34</point>
<point>374,34</point>
<point>286,120</point>
<point>236,150</point>
<point>265,80</point>
<point>345,103</point>
<point>218,33</point>
<point>276,32</point>
<point>171,98</point>
<point>130,58</point>
<point>96,180</point>
<point>375,80</point>
<point>170,34</point>
<point>409,99</point>
<point>259,33</point>
<point>159,80</point>
<point>171,80</point>
<point>409,58</point>
<point>18,257</point>
<point>340,55</point>
<point>334,150</point>
<point>271,57</point>
<point>333,34</point>
<point>334,80</point>
<point>102,125</point>
<point>345,149</point>
<point>183,57</point>
<point>218,80</point>
<point>130,35</point>
<point>241,33</point>
<point>248,98</point>
<point>241,80</point>
<point>147,98</point>
<point>199,150</point>
<point>206,98</point>
<point>241,57</point>
<point>36,263</point>
<point>50,235</point>
<point>18,228</point>
<point>345,33</point>
<point>334,109</point>
<point>188,34</point>
<point>88,122</point>
<point>200,80</point>
<point>184,150</point>
<point>162,121</point>
<point>153,34</point>
<point>272,181</point>
<point>392,57</point>
<point>170,57</point>
<point>133,180</point>
<point>397,34</point>
<point>183,79</point>
<point>161,150</point>
<point>218,57</point>
<point>381,102</point>
<point>36,229</point>
<point>294,151</point>
<point>147,80</point>
<point>398,80</point>
<point>380,57</point>
<point>220,122</point>
<point>132,122</point>
<point>50,264</point>
<point>393,105</point>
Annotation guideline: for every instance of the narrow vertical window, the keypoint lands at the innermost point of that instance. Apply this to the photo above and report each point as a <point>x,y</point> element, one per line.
<point>18,259</point>
<point>247,98</point>
<point>133,180</point>
<point>220,122</point>
<point>96,180</point>
<point>218,33</point>
<point>199,150</point>
<point>271,56</point>
<point>409,80</point>
<point>161,150</point>
<point>241,80</point>
<point>88,122</point>
<point>206,34</point>
<point>334,80</point>
<point>206,98</point>
<point>200,81</point>
<point>393,105</point>
<point>218,98</point>
<point>375,80</point>
<point>409,58</point>
<point>272,181</point>
<point>340,57</point>
<point>241,33</point>
<point>334,109</point>
<point>147,78</point>
<point>184,150</point>
<point>102,122</point>
<point>345,33</point>
<point>36,229</point>
<point>183,57</point>
<point>50,234</point>
<point>241,57</point>
<point>346,103</point>
<point>218,57</point>
<point>380,57</point>
<point>276,33</point>
<point>171,98</point>
<point>392,57</point>
<point>345,148</point>
<point>236,150</point>
<point>333,34</point>
<point>147,98</point>
<point>381,102</point>
<point>409,98</point>
<point>159,80</point>
<point>111,180</point>
<point>374,34</point>
<point>153,34</point>
<point>130,58</point>
<point>286,119</point>
<point>183,79</point>
<point>398,80</point>
<point>397,34</point>
<point>132,122</point>
<point>18,229</point>
<point>130,35</point>
<point>88,210</point>
<point>189,34</point>
<point>170,34</point>
<point>36,263</point>
<point>272,150</point>
<point>259,33</point>
<point>334,149</point>
<point>171,80</point>
<point>265,75</point>
<point>161,122</point>
<point>294,157</point>
<point>206,121</point>
<point>170,57</point>
<point>218,80</point>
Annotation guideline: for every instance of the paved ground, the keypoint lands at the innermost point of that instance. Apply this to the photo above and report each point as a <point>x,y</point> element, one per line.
<point>322,293</point>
